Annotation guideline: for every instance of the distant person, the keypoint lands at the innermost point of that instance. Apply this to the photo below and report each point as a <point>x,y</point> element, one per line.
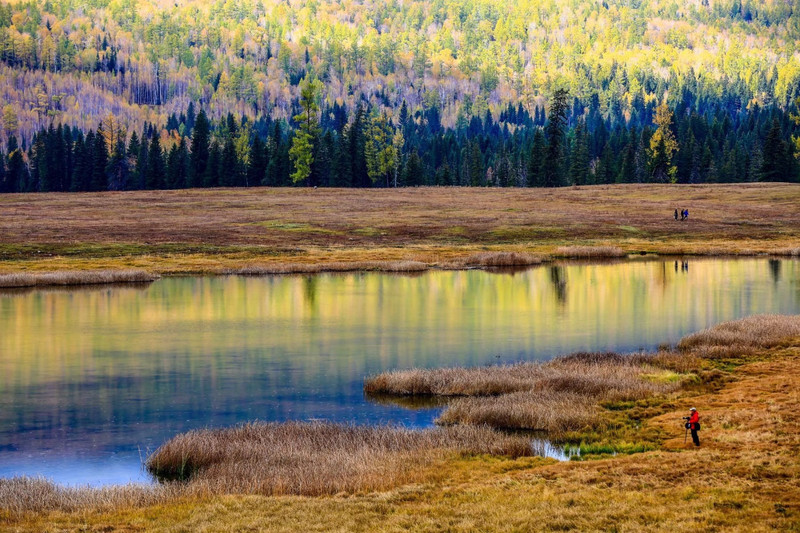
<point>693,425</point>
<point>683,213</point>
<point>686,212</point>
<point>676,214</point>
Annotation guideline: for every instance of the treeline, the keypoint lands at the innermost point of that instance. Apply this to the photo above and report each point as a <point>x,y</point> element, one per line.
<point>572,142</point>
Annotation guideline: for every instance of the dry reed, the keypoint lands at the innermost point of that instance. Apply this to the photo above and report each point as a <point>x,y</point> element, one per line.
<point>493,260</point>
<point>19,495</point>
<point>77,277</point>
<point>732,339</point>
<point>317,458</point>
<point>559,395</point>
<point>341,266</point>
<point>590,252</point>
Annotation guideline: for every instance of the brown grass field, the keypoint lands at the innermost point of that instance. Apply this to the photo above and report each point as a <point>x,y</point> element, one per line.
<point>744,477</point>
<point>289,229</point>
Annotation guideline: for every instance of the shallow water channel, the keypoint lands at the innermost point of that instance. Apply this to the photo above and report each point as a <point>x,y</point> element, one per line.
<point>93,379</point>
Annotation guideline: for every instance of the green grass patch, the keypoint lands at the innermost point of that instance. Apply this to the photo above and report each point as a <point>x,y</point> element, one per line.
<point>300,227</point>
<point>16,252</point>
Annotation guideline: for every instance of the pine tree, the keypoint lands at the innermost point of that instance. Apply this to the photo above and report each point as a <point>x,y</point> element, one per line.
<point>200,145</point>
<point>257,167</point>
<point>536,160</point>
<point>556,123</point>
<point>579,166</point>
<point>776,164</point>
<point>155,177</point>
<point>99,179</point>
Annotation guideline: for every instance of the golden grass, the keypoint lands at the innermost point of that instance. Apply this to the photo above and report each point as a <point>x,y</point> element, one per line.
<point>732,339</point>
<point>590,252</point>
<point>493,260</point>
<point>84,277</point>
<point>316,458</point>
<point>171,232</point>
<point>555,396</point>
<point>341,266</point>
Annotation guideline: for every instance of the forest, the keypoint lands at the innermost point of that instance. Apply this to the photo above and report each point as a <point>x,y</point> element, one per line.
<point>141,94</point>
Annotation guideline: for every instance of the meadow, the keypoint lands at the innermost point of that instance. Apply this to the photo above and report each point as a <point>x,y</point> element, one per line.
<point>306,230</point>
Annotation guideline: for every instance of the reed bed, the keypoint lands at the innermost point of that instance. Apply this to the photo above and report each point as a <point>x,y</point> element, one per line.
<point>316,268</point>
<point>75,277</point>
<point>790,252</point>
<point>736,338</point>
<point>317,458</point>
<point>554,412</point>
<point>556,396</point>
<point>19,495</point>
<point>494,260</point>
<point>590,252</point>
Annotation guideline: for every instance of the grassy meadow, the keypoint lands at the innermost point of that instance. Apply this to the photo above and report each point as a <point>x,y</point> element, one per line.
<point>635,473</point>
<point>310,230</point>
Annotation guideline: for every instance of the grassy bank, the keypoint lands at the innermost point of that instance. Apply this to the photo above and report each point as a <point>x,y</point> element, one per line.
<point>742,478</point>
<point>302,230</point>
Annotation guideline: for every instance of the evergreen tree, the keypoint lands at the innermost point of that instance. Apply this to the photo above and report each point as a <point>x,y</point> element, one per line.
<point>99,179</point>
<point>200,146</point>
<point>536,160</point>
<point>155,178</point>
<point>118,167</point>
<point>776,164</point>
<point>257,167</point>
<point>556,124</point>
<point>579,166</point>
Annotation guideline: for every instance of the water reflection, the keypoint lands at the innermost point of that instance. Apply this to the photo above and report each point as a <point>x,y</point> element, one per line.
<point>92,379</point>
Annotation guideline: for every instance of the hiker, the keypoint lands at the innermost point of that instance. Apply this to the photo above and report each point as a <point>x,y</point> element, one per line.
<point>686,214</point>
<point>676,214</point>
<point>693,425</point>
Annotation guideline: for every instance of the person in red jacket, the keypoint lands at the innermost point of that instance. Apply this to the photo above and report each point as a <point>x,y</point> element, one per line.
<point>694,424</point>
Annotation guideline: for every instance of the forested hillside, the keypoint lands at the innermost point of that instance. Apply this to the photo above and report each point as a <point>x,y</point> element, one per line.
<point>125,94</point>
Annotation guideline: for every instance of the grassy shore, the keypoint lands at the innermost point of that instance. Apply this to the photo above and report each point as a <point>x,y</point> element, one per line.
<point>308,230</point>
<point>742,478</point>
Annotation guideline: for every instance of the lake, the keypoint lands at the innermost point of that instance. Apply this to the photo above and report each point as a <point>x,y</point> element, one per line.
<point>93,379</point>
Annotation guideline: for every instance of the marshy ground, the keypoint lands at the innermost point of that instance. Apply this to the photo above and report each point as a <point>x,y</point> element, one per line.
<point>306,230</point>
<point>744,477</point>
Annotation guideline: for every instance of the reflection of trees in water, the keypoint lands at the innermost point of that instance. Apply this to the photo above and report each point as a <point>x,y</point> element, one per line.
<point>558,277</point>
<point>310,290</point>
<point>775,270</point>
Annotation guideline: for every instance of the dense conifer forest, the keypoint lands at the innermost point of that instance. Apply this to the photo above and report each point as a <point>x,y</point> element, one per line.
<point>141,94</point>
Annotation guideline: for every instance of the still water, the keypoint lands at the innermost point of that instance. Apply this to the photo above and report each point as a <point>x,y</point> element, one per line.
<point>91,380</point>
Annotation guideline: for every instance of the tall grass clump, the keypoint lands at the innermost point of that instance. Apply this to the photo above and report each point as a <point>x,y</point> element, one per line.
<point>738,337</point>
<point>335,266</point>
<point>559,395</point>
<point>590,252</point>
<point>494,260</point>
<point>24,494</point>
<point>76,277</point>
<point>317,458</point>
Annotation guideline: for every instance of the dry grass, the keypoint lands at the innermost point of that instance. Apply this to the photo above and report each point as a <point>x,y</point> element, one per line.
<point>316,458</point>
<point>21,495</point>
<point>590,252</point>
<point>171,232</point>
<point>493,260</point>
<point>736,338</point>
<point>83,277</point>
<point>556,396</point>
<point>315,268</point>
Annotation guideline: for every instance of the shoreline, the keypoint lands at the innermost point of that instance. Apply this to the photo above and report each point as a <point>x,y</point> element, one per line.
<point>486,261</point>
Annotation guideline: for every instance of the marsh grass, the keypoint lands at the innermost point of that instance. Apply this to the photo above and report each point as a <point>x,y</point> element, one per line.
<point>336,266</point>
<point>317,458</point>
<point>739,337</point>
<point>78,277</point>
<point>590,252</point>
<point>555,396</point>
<point>20,495</point>
<point>493,260</point>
